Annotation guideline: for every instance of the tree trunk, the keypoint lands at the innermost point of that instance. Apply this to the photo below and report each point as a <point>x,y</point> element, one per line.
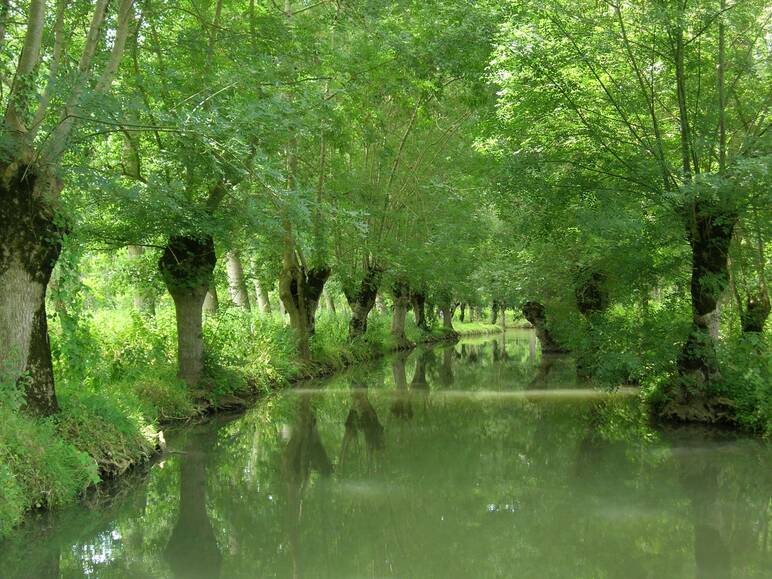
<point>536,314</point>
<point>709,236</point>
<point>591,299</point>
<point>710,230</point>
<point>419,310</point>
<point>30,244</point>
<point>211,302</point>
<point>755,311</point>
<point>236,284</point>
<point>494,312</point>
<point>282,308</point>
<point>143,299</point>
<point>462,312</point>
<point>362,302</point>
<point>447,318</point>
<point>401,302</point>
<point>300,291</point>
<point>187,265</point>
<point>263,302</point>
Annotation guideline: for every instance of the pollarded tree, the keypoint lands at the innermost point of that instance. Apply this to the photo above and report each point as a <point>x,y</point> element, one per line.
<point>660,101</point>
<point>190,131</point>
<point>66,57</point>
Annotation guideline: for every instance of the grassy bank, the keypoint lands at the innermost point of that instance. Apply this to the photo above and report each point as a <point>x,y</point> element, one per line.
<point>117,388</point>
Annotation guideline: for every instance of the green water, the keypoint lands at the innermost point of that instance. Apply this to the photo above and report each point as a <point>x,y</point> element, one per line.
<point>479,460</point>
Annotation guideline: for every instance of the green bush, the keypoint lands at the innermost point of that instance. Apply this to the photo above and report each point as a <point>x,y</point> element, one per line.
<point>38,468</point>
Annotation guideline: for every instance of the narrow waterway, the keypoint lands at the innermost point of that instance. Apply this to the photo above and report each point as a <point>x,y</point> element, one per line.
<point>479,460</point>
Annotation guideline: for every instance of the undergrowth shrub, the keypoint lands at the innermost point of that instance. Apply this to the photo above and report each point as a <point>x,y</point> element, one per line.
<point>38,468</point>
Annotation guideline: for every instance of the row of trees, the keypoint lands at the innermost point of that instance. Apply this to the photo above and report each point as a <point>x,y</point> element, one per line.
<point>298,142</point>
<point>634,145</point>
<point>593,161</point>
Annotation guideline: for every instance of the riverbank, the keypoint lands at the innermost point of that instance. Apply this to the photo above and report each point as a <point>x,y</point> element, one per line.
<point>112,416</point>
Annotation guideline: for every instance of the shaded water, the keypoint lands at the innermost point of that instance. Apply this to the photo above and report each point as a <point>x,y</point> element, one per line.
<point>479,460</point>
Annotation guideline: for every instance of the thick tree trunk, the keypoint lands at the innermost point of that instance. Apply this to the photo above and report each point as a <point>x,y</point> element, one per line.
<point>143,299</point>
<point>282,308</point>
<point>237,286</point>
<point>536,314</point>
<point>300,291</point>
<point>462,312</point>
<point>263,302</point>
<point>186,266</point>
<point>419,310</point>
<point>30,244</point>
<point>710,230</point>
<point>447,318</point>
<point>401,303</point>
<point>709,236</point>
<point>592,299</point>
<point>755,311</point>
<point>211,301</point>
<point>494,312</point>
<point>362,301</point>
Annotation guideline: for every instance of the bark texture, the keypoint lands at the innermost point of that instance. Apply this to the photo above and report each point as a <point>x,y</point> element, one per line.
<point>30,244</point>
<point>447,318</point>
<point>536,314</point>
<point>211,301</point>
<point>755,311</point>
<point>710,229</point>
<point>401,294</point>
<point>263,301</point>
<point>300,290</point>
<point>591,299</point>
<point>709,239</point>
<point>237,286</point>
<point>362,300</point>
<point>418,300</point>
<point>186,265</point>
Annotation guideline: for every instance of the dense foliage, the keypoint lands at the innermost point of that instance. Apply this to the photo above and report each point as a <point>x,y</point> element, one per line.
<point>602,168</point>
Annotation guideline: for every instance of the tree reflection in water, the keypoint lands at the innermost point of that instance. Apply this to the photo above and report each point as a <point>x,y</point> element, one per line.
<point>192,551</point>
<point>303,454</point>
<point>493,480</point>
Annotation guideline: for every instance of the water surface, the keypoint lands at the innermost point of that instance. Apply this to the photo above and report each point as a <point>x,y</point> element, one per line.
<point>480,460</point>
